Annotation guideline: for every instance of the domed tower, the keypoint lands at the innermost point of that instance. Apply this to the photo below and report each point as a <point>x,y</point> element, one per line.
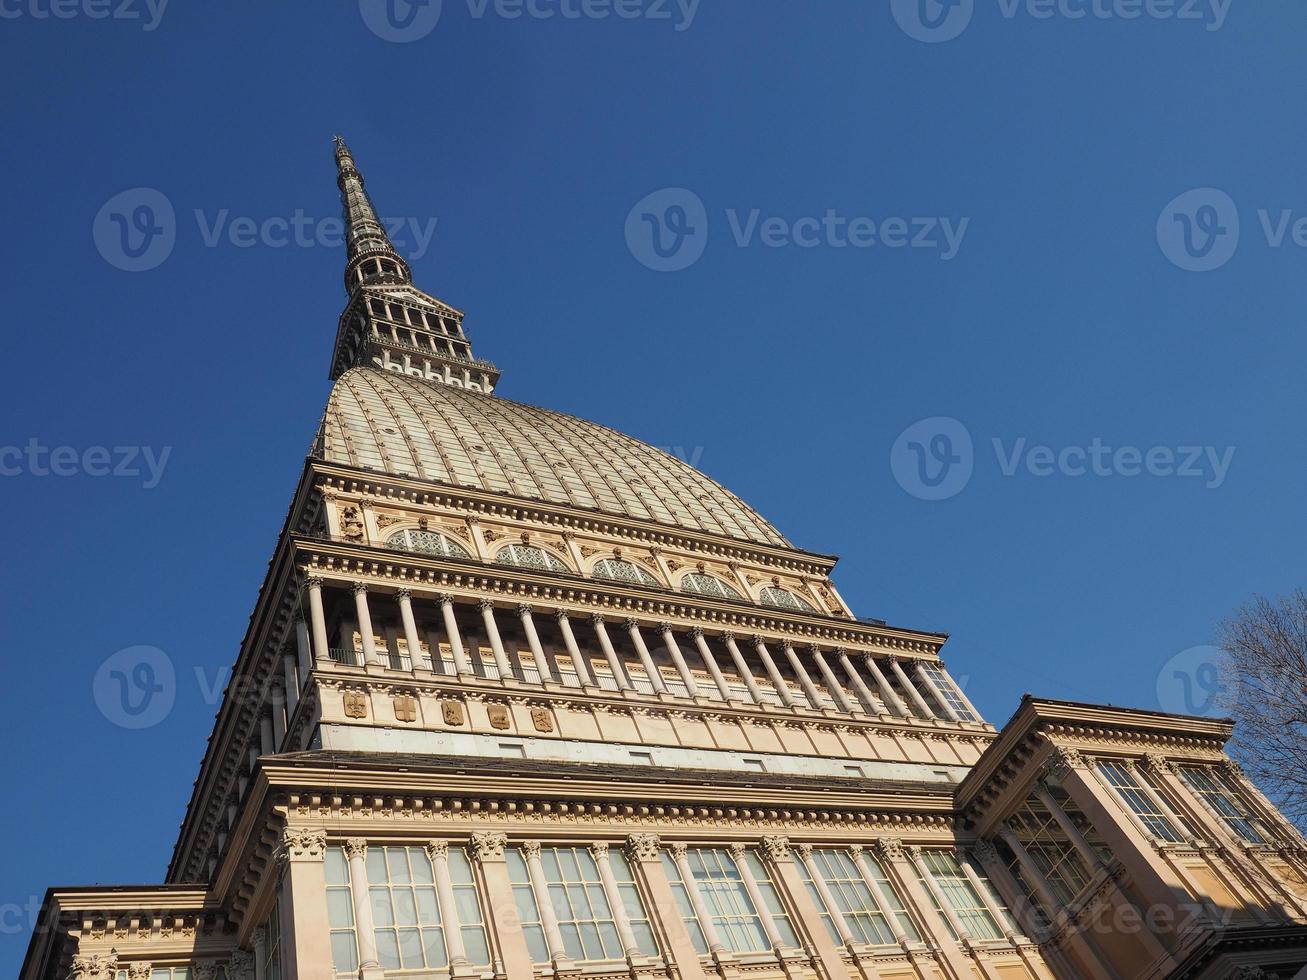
<point>523,697</point>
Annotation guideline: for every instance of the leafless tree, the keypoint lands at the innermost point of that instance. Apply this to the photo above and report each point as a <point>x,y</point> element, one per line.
<point>1265,691</point>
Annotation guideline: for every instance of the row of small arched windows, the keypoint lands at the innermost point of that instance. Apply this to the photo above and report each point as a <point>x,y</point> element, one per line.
<point>613,569</point>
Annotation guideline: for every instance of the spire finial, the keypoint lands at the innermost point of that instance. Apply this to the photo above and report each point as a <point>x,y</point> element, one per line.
<point>372,257</point>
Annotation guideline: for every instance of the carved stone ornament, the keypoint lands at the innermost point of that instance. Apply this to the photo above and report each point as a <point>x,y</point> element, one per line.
<point>1063,760</point>
<point>438,849</point>
<point>532,849</point>
<point>643,847</point>
<point>489,845</point>
<point>985,852</point>
<point>356,704</point>
<point>1252,973</point>
<point>890,848</point>
<point>351,525</point>
<point>1158,763</point>
<point>452,712</point>
<point>542,719</point>
<point>101,966</point>
<point>679,850</point>
<point>207,970</point>
<point>498,716</point>
<point>1232,769</point>
<point>406,708</point>
<point>140,971</point>
<point>599,850</point>
<point>804,851</point>
<point>776,848</point>
<point>241,965</point>
<point>303,844</point>
<point>356,847</point>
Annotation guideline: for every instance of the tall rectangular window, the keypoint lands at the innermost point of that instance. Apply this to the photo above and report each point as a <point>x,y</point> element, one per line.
<point>576,894</point>
<point>684,905</point>
<point>1050,850</point>
<point>340,913</point>
<point>1122,779</point>
<point>629,895</point>
<point>1204,781</point>
<point>962,897</point>
<point>948,690</point>
<point>852,896</point>
<point>771,899</point>
<point>719,883</point>
<point>528,912</point>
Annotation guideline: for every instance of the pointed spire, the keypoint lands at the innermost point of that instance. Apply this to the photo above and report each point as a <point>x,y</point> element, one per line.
<point>372,257</point>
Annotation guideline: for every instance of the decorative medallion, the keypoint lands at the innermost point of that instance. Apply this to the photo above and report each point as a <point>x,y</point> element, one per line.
<point>406,708</point>
<point>498,716</point>
<point>453,713</point>
<point>542,719</point>
<point>356,704</point>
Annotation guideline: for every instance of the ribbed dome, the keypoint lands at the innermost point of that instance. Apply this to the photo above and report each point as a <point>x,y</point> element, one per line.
<point>385,421</point>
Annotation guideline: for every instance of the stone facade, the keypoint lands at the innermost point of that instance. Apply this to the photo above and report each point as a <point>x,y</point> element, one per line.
<point>522,697</point>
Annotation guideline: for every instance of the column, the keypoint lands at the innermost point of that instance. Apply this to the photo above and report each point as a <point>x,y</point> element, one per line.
<point>742,668</point>
<point>678,658</point>
<point>904,872</point>
<point>533,641</point>
<point>805,682</point>
<point>291,672</point>
<point>303,652</point>
<point>405,599</point>
<point>680,854</point>
<point>277,708</point>
<point>305,932</point>
<point>605,644</point>
<point>911,688</point>
<point>496,642</point>
<point>778,682</point>
<point>823,891</point>
<point>869,878</point>
<point>438,852</point>
<point>356,850</point>
<point>832,684</point>
<point>807,918</point>
<point>644,851</point>
<point>267,735</point>
<point>365,624</point>
<point>540,888</point>
<point>488,851</point>
<point>739,853</point>
<point>579,661</point>
<point>889,697</point>
<point>1091,858</point>
<point>709,661</point>
<point>461,665</point>
<point>933,688</point>
<point>914,857</point>
<point>599,852</point>
<point>655,675</point>
<point>864,692</point>
<point>321,651</point>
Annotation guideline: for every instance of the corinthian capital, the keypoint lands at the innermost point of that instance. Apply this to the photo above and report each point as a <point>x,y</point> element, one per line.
<point>302,844</point>
<point>776,848</point>
<point>889,848</point>
<point>489,845</point>
<point>437,850</point>
<point>643,847</point>
<point>356,847</point>
<point>984,851</point>
<point>1158,763</point>
<point>101,966</point>
<point>679,850</point>
<point>1064,759</point>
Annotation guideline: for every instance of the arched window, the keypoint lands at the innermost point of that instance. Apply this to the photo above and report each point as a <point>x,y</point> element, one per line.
<point>701,584</point>
<point>785,599</point>
<point>426,543</point>
<point>529,556</point>
<point>620,570</point>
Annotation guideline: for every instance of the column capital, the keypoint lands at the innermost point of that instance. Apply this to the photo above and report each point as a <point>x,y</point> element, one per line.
<point>631,624</point>
<point>561,614</point>
<point>889,848</point>
<point>403,595</point>
<point>240,965</point>
<point>1231,769</point>
<point>696,633</point>
<point>1064,759</point>
<point>815,648</point>
<point>444,599</point>
<point>437,849</point>
<point>359,587</point>
<point>985,852</point>
<point>664,627</point>
<point>356,847</point>
<point>756,640</point>
<point>1158,763</point>
<point>313,581</point>
<point>532,849</point>
<point>488,845</point>
<point>679,849</point>
<point>599,850</point>
<point>776,847</point>
<point>486,604</point>
<point>101,966</point>
<point>302,844</point>
<point>840,651</point>
<point>804,850</point>
<point>643,847</point>
<point>913,851</point>
<point>597,620</point>
<point>523,610</point>
<point>738,849</point>
<point>728,636</point>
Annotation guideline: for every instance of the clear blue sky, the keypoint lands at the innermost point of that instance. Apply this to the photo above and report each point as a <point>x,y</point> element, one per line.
<point>788,373</point>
